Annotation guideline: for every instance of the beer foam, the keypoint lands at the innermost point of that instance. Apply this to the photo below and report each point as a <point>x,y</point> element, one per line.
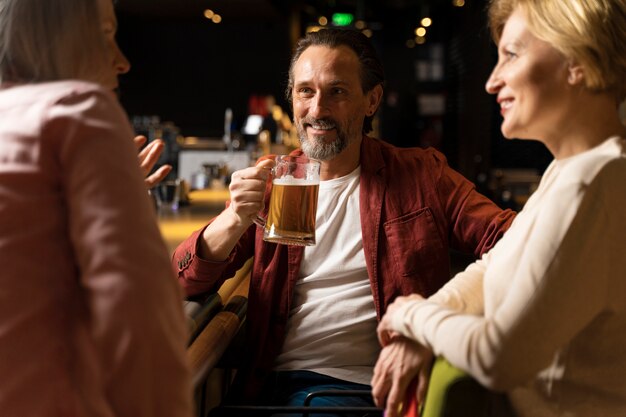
<point>289,180</point>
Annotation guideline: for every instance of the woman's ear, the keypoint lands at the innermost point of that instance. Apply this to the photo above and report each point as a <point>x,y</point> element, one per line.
<point>576,73</point>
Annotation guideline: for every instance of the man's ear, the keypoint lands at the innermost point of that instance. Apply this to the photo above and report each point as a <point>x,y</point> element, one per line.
<point>375,95</point>
<point>576,73</point>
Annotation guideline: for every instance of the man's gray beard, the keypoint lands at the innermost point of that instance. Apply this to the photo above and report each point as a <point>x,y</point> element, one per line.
<point>318,149</point>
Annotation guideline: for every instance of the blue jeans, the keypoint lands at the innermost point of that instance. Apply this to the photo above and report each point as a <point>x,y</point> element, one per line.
<point>290,388</point>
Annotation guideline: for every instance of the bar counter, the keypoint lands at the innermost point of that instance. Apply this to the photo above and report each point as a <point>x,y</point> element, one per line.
<point>177,225</point>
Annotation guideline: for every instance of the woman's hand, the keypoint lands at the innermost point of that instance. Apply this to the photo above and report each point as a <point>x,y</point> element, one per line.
<point>385,330</point>
<point>148,156</point>
<point>400,362</point>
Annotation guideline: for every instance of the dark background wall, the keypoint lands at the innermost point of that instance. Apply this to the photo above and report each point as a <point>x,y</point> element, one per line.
<point>188,71</point>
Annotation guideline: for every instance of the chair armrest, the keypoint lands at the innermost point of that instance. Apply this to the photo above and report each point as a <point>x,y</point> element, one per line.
<point>213,340</point>
<point>199,313</point>
<point>454,393</point>
<point>443,377</point>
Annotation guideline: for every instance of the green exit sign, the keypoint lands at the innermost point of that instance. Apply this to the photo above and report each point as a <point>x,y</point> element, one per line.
<point>342,19</point>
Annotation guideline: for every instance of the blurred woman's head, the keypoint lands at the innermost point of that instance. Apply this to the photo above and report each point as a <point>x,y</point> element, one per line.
<point>59,39</point>
<point>591,33</point>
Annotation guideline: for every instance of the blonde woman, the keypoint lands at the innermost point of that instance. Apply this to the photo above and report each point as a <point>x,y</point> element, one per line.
<point>542,316</point>
<point>91,320</point>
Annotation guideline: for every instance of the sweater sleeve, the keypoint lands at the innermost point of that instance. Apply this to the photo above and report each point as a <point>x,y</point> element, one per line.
<point>464,293</point>
<point>558,287</point>
<point>136,322</point>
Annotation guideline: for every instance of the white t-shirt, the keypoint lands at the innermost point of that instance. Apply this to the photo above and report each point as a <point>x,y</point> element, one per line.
<point>332,325</point>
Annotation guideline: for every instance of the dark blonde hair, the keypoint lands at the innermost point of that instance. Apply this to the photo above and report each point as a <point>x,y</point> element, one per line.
<point>46,40</point>
<point>592,33</point>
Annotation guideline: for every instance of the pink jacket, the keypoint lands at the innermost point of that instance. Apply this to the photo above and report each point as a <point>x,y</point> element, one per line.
<point>414,208</point>
<point>91,320</point>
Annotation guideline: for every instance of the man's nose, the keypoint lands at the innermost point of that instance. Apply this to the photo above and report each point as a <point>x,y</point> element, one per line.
<point>319,106</point>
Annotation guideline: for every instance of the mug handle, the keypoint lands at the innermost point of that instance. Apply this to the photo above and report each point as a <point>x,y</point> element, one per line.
<point>258,220</point>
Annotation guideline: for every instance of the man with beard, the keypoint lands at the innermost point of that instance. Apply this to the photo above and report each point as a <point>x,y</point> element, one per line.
<point>386,219</point>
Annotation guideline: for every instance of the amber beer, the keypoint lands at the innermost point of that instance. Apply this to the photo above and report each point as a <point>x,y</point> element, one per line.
<point>292,210</point>
<point>293,201</point>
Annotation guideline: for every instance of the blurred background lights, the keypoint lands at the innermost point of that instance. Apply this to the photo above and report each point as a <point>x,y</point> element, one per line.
<point>420,40</point>
<point>342,19</point>
<point>367,32</point>
<point>458,3</point>
<point>359,24</point>
<point>426,22</point>
<point>420,32</point>
<point>212,16</point>
<point>322,20</point>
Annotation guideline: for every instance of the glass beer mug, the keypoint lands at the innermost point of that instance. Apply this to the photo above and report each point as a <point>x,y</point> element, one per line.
<point>293,201</point>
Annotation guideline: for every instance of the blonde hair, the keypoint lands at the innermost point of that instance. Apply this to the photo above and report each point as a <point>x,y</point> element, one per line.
<point>592,33</point>
<point>51,40</point>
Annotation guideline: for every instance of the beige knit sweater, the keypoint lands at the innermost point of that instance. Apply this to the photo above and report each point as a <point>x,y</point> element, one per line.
<point>543,314</point>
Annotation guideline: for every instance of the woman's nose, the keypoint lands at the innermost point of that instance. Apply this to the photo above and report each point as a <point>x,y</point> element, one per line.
<point>494,82</point>
<point>121,63</point>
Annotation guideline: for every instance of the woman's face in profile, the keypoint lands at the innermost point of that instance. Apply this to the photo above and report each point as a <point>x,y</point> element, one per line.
<point>118,62</point>
<point>530,81</point>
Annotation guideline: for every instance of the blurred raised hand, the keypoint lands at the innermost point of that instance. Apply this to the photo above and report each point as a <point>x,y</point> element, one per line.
<point>148,156</point>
